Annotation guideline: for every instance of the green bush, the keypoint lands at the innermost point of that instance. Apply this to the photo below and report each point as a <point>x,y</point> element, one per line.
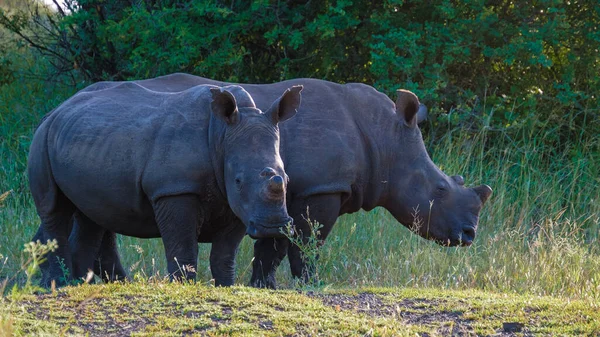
<point>469,59</point>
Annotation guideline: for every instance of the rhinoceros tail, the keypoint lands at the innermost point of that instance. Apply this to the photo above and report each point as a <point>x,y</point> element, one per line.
<point>46,193</point>
<point>54,208</point>
<point>44,118</point>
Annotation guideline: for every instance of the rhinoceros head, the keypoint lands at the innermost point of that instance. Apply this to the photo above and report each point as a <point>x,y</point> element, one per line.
<point>422,197</point>
<point>254,178</point>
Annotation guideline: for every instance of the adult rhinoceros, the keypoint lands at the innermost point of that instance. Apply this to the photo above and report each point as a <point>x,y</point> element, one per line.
<point>122,158</point>
<point>351,148</point>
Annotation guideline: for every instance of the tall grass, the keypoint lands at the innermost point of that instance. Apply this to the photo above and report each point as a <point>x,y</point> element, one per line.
<point>538,233</point>
<point>22,104</point>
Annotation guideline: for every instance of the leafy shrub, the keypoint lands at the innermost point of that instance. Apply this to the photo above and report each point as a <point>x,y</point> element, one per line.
<point>488,63</point>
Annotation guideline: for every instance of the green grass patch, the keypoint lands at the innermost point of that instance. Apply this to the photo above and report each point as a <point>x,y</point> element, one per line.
<point>162,308</point>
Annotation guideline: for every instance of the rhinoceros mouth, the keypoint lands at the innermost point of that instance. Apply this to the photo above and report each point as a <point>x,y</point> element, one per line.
<point>453,242</point>
<point>277,230</point>
<point>463,238</point>
<point>459,238</point>
<point>465,243</point>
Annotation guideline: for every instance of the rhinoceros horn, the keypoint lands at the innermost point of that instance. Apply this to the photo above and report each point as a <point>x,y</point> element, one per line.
<point>484,192</point>
<point>276,184</point>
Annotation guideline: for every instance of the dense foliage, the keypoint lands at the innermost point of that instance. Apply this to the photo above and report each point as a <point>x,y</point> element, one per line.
<point>478,61</point>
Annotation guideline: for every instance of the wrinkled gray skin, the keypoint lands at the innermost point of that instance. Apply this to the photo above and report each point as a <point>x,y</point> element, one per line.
<point>201,164</point>
<point>351,147</point>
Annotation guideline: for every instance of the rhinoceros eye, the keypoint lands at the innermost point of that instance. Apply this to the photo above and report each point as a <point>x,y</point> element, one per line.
<point>238,182</point>
<point>442,188</point>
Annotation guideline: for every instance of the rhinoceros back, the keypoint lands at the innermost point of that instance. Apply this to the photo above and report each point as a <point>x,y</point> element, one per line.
<point>114,149</point>
<point>323,147</point>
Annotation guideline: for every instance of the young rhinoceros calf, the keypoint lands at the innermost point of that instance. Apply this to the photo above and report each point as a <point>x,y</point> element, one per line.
<point>185,166</point>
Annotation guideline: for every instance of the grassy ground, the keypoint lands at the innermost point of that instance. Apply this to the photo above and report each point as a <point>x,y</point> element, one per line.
<point>143,309</point>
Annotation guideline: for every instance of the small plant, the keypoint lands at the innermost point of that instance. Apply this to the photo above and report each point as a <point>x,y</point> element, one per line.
<point>309,249</point>
<point>184,271</point>
<point>133,268</point>
<point>37,251</point>
<point>417,220</point>
<point>418,223</point>
<point>64,270</point>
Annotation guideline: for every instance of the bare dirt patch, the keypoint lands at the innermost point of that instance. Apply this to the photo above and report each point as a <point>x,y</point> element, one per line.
<point>417,311</point>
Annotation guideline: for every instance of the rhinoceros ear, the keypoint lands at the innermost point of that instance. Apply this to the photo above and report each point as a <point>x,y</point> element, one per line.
<point>409,108</point>
<point>421,114</point>
<point>286,106</point>
<point>224,106</point>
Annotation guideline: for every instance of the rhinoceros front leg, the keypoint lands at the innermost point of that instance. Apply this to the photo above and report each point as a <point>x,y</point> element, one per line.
<point>223,252</point>
<point>268,253</point>
<point>320,210</point>
<point>178,217</point>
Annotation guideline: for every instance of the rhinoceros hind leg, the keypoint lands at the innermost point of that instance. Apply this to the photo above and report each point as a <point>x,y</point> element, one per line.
<point>56,225</point>
<point>107,264</point>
